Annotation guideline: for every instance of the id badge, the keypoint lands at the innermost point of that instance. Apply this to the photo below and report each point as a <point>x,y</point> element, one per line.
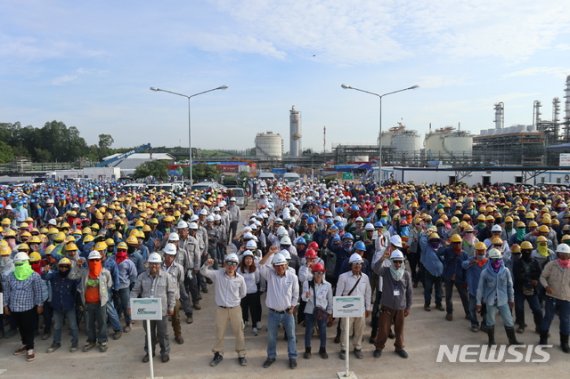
<point>396,292</point>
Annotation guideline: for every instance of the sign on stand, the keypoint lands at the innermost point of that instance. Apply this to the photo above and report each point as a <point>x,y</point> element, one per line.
<point>347,307</point>
<point>147,309</point>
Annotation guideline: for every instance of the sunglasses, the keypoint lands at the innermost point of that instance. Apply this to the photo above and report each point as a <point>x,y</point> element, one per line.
<point>318,273</point>
<point>95,260</point>
<point>231,263</point>
<point>397,262</point>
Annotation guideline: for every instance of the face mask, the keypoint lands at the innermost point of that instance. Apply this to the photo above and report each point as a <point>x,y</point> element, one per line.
<point>121,256</point>
<point>37,267</point>
<point>95,268</point>
<point>397,274</point>
<point>521,233</point>
<point>564,263</point>
<point>509,226</point>
<point>542,249</point>
<point>481,225</point>
<point>434,244</point>
<point>481,260</point>
<point>23,271</point>
<point>526,255</point>
<point>456,247</point>
<point>64,273</point>
<point>496,264</point>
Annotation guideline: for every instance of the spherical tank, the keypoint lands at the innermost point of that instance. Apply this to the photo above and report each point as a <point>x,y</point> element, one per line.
<point>269,145</point>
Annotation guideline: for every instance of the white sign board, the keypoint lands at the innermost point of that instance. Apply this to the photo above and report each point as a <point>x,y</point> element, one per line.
<point>146,309</point>
<point>564,159</point>
<point>348,306</point>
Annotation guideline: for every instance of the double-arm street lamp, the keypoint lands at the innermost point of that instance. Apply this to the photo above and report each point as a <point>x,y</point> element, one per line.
<point>189,97</point>
<point>380,96</point>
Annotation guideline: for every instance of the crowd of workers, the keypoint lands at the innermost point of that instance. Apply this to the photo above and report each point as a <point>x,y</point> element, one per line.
<point>73,253</point>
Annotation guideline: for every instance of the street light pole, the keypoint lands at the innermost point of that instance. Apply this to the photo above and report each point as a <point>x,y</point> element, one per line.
<point>380,96</point>
<point>189,97</point>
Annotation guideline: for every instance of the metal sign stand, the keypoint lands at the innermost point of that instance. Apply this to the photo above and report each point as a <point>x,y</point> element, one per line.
<point>346,374</point>
<point>149,350</point>
<point>147,309</point>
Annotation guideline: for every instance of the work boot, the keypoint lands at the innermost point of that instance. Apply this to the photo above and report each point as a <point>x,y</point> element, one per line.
<point>189,319</point>
<point>491,335</point>
<point>564,343</point>
<point>512,336</point>
<point>543,338</point>
<point>323,353</point>
<point>307,354</point>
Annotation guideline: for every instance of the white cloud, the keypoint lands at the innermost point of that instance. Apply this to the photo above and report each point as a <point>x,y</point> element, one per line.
<point>558,72</point>
<point>72,76</point>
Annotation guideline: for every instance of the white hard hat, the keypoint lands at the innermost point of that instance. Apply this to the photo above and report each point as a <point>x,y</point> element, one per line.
<point>52,222</point>
<point>396,240</point>
<point>285,240</point>
<point>210,218</point>
<point>369,226</point>
<point>173,237</point>
<point>20,257</point>
<point>194,218</point>
<point>246,253</point>
<point>248,236</point>
<point>193,226</point>
<point>496,228</point>
<point>563,248</point>
<point>251,245</point>
<point>169,249</point>
<point>281,231</point>
<point>203,212</point>
<point>232,199</point>
<point>359,219</point>
<point>217,218</point>
<point>94,255</point>
<point>278,259</point>
<point>355,258</point>
<point>182,225</point>
<point>222,203</point>
<point>397,255</point>
<point>154,258</point>
<point>495,254</point>
<point>231,258</point>
<point>286,254</point>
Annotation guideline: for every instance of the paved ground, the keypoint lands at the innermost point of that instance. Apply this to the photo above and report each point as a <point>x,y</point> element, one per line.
<point>424,332</point>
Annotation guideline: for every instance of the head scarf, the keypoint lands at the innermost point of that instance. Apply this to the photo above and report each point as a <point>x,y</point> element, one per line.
<point>23,271</point>
<point>397,274</point>
<point>95,268</point>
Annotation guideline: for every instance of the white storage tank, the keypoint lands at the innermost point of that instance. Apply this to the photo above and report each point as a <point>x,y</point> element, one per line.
<point>459,143</point>
<point>407,142</point>
<point>386,140</point>
<point>269,145</point>
<point>447,141</point>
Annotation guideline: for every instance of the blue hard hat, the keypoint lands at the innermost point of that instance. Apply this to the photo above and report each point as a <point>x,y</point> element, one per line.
<point>311,221</point>
<point>359,245</point>
<point>348,236</point>
<point>300,241</point>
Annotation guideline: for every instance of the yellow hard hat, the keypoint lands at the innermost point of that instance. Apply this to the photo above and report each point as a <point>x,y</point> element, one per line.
<point>35,239</point>
<point>25,234</point>
<point>532,224</point>
<point>433,236</point>
<point>23,247</point>
<point>24,225</point>
<point>121,245</point>
<point>64,225</point>
<point>480,246</point>
<point>6,222</point>
<point>59,237</point>
<point>99,246</point>
<point>497,241</point>
<point>543,229</point>
<point>139,224</point>
<point>71,246</point>
<point>454,220</point>
<point>455,238</point>
<point>52,231</point>
<point>515,248</point>
<point>95,226</point>
<point>541,239</point>
<point>529,216</point>
<point>481,218</point>
<point>110,242</point>
<point>88,238</point>
<point>520,224</point>
<point>49,249</point>
<point>35,257</point>
<point>64,262</point>
<point>146,228</point>
<point>508,219</point>
<point>86,230</point>
<point>132,240</point>
<point>5,250</point>
<point>525,245</point>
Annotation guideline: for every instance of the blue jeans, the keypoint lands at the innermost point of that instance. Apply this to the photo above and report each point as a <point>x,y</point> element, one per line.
<point>113,316</point>
<point>431,281</point>
<point>58,317</point>
<point>551,306</point>
<point>505,315</point>
<point>535,307</point>
<point>322,324</point>
<point>123,304</point>
<point>96,322</point>
<point>273,322</point>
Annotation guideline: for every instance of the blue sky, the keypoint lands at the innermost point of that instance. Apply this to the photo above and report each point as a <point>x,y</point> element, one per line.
<point>90,65</point>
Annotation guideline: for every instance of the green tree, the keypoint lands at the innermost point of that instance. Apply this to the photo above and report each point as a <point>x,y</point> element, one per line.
<point>6,152</point>
<point>158,169</point>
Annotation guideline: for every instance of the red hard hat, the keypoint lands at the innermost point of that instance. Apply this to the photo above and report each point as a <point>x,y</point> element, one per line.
<point>310,254</point>
<point>313,245</point>
<point>318,267</point>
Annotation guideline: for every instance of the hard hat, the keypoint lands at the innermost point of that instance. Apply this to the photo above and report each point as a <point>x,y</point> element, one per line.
<point>480,246</point>
<point>173,237</point>
<point>285,240</point>
<point>139,224</point>
<point>313,245</point>
<point>64,262</point>
<point>35,257</point>
<point>20,257</point>
<point>468,228</point>
<point>496,229</point>
<point>310,254</point>
<point>508,219</point>
<point>541,239</point>
<point>100,246</point>
<point>520,224</point>
<point>5,250</point>
<point>359,245</point>
<point>88,238</point>
<point>396,255</point>
<point>94,255</point>
<point>71,246</point>
<point>495,254</point>
<point>526,245</point>
<point>193,226</point>
<point>300,241</point>
<point>533,224</point>
<point>23,247</point>
<point>59,237</point>
<point>543,229</point>
<point>348,236</point>
<point>146,228</point>
<point>515,248</point>
<point>434,236</point>
<point>122,245</point>
<point>182,224</point>
<point>246,253</point>
<point>455,238</point>
<point>110,242</point>
<point>369,226</point>
<point>497,241</point>
<point>169,249</point>
<point>249,236</point>
<point>563,249</point>
<point>49,249</point>
<point>481,218</point>
<point>154,258</point>
<point>132,240</point>
<point>286,254</point>
<point>231,258</point>
<point>251,245</point>
<point>355,258</point>
<point>278,259</point>
<point>318,267</point>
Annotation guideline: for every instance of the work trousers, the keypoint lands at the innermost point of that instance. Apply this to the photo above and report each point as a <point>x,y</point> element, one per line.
<point>158,333</point>
<point>553,306</point>
<point>96,322</point>
<point>535,307</point>
<point>59,317</point>
<point>355,325</point>
<point>462,290</point>
<point>25,322</point>
<point>176,320</point>
<point>387,317</point>
<point>251,305</point>
<point>430,282</point>
<point>234,317</point>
